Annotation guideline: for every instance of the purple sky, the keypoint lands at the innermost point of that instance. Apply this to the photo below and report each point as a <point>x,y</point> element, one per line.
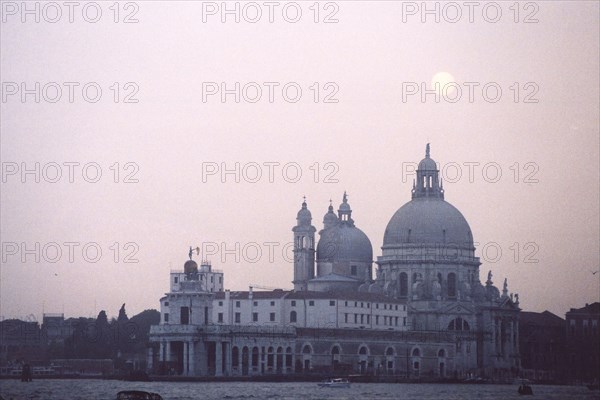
<point>542,212</point>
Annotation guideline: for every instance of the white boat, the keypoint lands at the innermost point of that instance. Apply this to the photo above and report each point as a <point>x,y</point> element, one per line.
<point>335,383</point>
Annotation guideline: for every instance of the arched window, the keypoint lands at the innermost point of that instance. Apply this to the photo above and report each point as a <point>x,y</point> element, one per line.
<point>335,350</point>
<point>306,349</point>
<point>403,284</point>
<point>416,353</point>
<point>255,356</point>
<point>442,353</point>
<point>270,357</point>
<point>363,350</point>
<point>389,351</point>
<point>451,284</point>
<point>293,316</point>
<point>288,357</point>
<point>235,357</point>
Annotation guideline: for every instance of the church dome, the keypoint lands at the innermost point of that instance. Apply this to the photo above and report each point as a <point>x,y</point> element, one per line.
<point>304,216</point>
<point>190,267</point>
<point>341,240</point>
<point>428,221</point>
<point>344,242</point>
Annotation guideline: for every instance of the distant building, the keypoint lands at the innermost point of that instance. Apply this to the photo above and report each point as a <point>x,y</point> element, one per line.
<point>542,342</point>
<point>583,342</point>
<point>20,341</point>
<point>425,314</point>
<point>55,329</point>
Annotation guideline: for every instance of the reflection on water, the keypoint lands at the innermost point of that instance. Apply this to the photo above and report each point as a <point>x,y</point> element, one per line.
<point>82,389</point>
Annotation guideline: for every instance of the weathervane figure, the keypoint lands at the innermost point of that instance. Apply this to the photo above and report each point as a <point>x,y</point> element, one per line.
<point>192,251</point>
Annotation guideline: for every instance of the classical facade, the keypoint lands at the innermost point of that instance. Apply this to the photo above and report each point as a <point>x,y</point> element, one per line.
<point>425,314</point>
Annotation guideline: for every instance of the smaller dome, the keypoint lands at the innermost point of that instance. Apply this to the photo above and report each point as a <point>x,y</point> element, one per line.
<point>190,267</point>
<point>304,215</point>
<point>344,206</point>
<point>492,292</point>
<point>330,219</point>
<point>427,164</point>
<point>344,243</point>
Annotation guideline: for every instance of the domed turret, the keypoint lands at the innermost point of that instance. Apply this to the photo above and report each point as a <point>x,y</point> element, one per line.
<point>343,248</point>
<point>304,217</point>
<point>427,183</point>
<point>330,219</point>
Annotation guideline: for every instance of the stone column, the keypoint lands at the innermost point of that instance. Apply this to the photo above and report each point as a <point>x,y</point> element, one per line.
<point>191,355</point>
<point>512,335</point>
<point>161,355</point>
<point>517,332</point>
<point>497,335</point>
<point>227,358</point>
<point>218,358</point>
<point>168,351</point>
<point>261,361</point>
<point>186,366</point>
<point>201,358</point>
<point>150,359</point>
<point>275,357</point>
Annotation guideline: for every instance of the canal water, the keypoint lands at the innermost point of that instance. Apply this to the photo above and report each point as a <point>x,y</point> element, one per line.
<point>83,389</point>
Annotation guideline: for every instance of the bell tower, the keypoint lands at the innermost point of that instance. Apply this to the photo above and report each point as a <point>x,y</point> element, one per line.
<point>304,249</point>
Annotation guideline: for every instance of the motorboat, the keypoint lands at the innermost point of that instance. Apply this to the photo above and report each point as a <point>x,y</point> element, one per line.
<point>525,389</point>
<point>138,395</point>
<point>335,383</point>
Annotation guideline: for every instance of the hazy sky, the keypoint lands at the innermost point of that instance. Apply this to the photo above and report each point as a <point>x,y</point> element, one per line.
<point>541,132</point>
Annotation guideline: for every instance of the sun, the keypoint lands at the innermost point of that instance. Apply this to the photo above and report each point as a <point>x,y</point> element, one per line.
<point>443,78</point>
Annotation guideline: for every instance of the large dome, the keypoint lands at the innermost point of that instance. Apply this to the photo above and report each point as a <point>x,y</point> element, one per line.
<point>428,221</point>
<point>344,243</point>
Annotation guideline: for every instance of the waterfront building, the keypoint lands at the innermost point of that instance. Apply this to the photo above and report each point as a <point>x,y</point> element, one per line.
<point>424,314</point>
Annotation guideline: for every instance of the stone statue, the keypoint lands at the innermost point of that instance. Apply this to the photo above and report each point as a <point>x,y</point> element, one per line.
<point>417,288</point>
<point>436,289</point>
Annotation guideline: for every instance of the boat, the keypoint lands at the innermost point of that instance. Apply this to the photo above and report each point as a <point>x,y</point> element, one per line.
<point>525,389</point>
<point>138,395</point>
<point>335,383</point>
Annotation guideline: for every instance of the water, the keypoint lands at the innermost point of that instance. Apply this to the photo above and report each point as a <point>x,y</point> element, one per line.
<point>84,389</point>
